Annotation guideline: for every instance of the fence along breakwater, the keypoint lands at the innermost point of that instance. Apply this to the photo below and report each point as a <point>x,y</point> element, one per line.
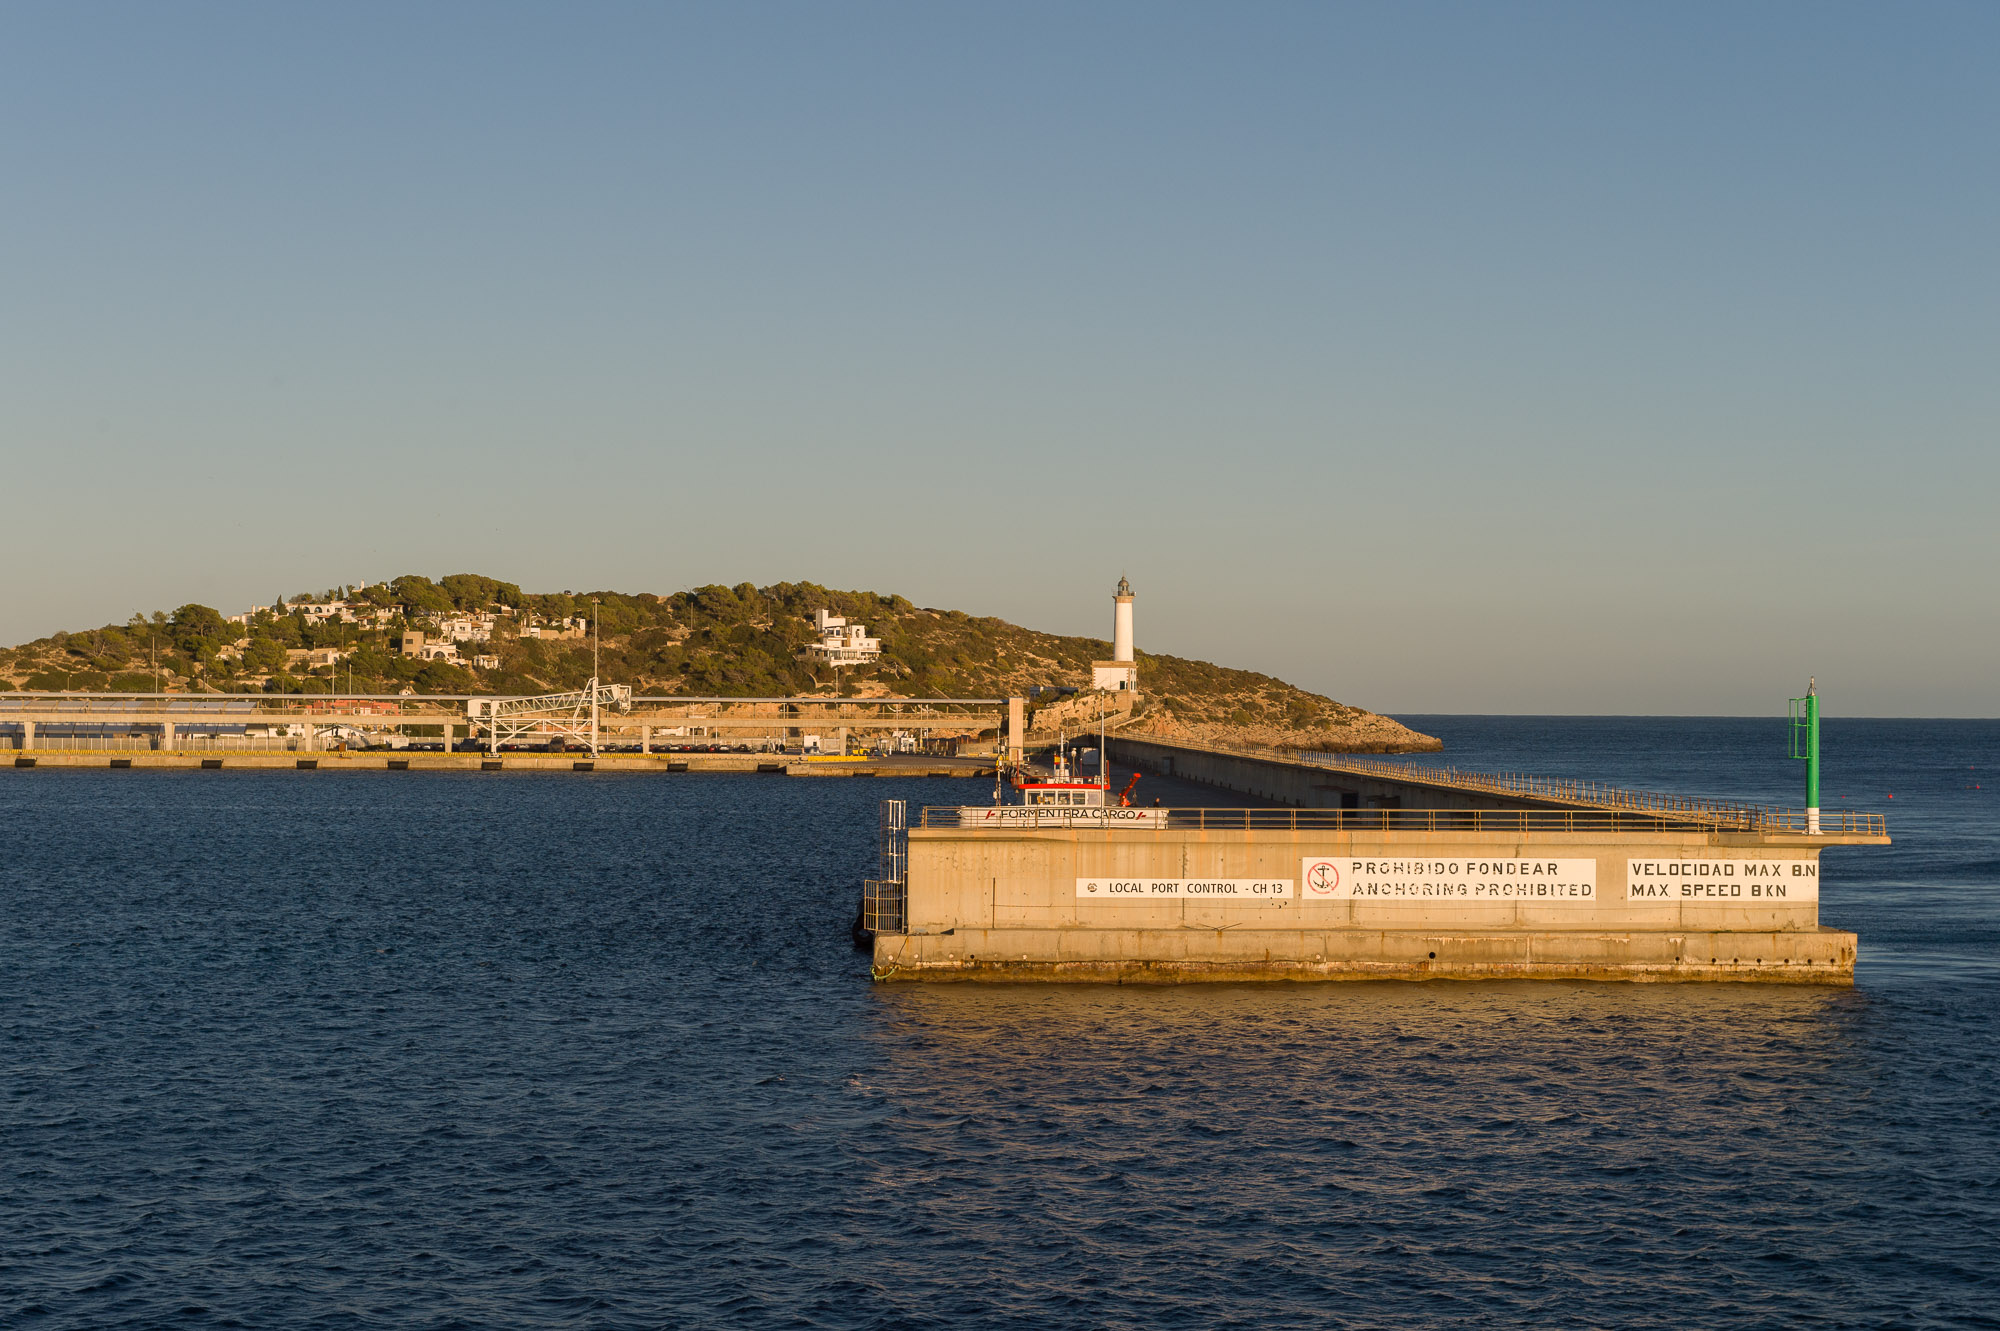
<point>1310,780</point>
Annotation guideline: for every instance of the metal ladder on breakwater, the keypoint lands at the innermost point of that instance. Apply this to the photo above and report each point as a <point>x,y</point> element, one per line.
<point>885,897</point>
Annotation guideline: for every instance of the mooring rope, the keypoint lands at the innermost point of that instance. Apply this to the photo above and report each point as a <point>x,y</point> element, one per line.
<point>880,974</point>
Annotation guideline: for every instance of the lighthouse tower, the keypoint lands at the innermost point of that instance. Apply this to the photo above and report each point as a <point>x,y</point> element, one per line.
<point>1120,674</point>
<point>1121,622</point>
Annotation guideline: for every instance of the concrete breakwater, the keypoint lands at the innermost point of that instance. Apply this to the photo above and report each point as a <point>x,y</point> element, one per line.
<point>1180,901</point>
<point>1374,877</point>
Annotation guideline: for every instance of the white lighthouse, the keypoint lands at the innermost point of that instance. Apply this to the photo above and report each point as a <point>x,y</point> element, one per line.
<point>1121,622</point>
<point>1120,674</point>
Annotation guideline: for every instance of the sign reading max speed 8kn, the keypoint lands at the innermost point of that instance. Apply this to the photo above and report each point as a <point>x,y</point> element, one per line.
<point>1737,882</point>
<point>1555,882</point>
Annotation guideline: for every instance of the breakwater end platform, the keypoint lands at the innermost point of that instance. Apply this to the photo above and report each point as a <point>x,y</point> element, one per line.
<point>1378,872</point>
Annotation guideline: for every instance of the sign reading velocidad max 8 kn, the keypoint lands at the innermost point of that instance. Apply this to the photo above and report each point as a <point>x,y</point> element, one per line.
<point>1750,882</point>
<point>1359,878</point>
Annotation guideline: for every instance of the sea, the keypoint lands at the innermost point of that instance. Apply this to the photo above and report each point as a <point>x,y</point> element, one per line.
<point>360,1050</point>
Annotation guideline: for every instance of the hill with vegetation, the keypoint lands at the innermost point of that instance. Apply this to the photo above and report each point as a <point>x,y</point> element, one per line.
<point>742,641</point>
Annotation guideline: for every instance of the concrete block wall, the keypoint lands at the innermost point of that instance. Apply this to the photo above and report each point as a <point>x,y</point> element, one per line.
<point>1027,879</point>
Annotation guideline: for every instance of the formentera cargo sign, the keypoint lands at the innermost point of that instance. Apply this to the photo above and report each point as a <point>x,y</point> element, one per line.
<point>1554,882</point>
<point>1745,882</point>
<point>1183,889</point>
<point>1060,815</point>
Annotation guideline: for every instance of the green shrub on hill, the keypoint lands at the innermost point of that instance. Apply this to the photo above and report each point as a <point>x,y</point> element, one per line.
<point>740,641</point>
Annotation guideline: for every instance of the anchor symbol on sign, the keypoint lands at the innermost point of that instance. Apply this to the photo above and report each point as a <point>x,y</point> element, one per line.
<point>1323,878</point>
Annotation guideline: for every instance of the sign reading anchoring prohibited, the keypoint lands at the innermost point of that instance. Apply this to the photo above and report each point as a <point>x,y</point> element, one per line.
<point>1183,889</point>
<point>1555,882</point>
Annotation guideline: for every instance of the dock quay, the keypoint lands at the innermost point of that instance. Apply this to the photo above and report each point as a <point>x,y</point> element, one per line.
<point>599,727</point>
<point>1377,870</point>
<point>395,760</point>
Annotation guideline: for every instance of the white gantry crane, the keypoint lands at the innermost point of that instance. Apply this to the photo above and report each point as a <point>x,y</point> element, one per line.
<point>571,715</point>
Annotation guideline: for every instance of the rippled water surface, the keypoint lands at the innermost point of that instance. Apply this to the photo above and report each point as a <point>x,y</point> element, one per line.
<point>324,1049</point>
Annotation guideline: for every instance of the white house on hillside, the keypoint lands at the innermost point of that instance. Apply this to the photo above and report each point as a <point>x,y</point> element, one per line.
<point>841,643</point>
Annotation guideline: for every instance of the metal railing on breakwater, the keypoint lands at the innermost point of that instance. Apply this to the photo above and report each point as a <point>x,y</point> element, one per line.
<point>954,817</point>
<point>131,744</point>
<point>1722,814</point>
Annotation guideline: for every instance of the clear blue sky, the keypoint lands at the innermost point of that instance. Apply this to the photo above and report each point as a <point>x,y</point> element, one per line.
<point>1566,358</point>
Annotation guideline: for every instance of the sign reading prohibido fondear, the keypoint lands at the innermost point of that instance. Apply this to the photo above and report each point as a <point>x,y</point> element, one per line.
<point>1553,882</point>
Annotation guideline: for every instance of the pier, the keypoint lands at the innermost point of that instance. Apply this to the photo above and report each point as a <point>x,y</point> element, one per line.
<point>1378,870</point>
<point>600,727</point>
<point>431,760</point>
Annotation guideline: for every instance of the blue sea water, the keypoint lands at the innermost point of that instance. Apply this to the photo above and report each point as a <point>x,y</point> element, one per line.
<point>371,1050</point>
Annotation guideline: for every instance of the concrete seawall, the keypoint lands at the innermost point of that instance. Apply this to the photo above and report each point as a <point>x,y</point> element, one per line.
<point>1819,956</point>
<point>1326,896</point>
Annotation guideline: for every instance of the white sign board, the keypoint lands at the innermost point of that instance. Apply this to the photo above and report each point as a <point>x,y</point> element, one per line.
<point>1060,815</point>
<point>1733,882</point>
<point>1183,889</point>
<point>1553,882</point>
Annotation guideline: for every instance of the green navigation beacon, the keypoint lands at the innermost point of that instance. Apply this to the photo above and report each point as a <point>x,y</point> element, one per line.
<point>1805,746</point>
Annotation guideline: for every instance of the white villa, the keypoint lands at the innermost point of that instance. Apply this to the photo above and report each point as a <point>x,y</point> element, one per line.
<point>841,643</point>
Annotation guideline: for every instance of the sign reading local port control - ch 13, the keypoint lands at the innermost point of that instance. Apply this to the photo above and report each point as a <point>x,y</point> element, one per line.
<point>1183,889</point>
<point>1748,882</point>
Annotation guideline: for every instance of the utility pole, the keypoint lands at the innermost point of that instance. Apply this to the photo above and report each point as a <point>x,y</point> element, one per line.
<point>596,642</point>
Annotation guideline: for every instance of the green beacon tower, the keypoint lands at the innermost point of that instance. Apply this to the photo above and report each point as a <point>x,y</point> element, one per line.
<point>1805,747</point>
